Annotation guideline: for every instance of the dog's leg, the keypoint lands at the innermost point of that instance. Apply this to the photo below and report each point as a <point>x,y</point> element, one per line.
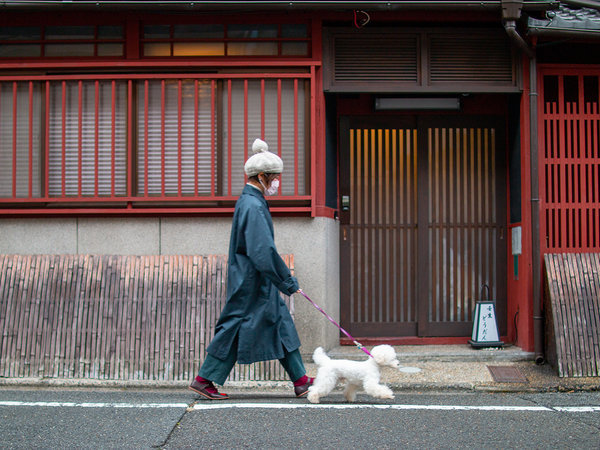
<point>350,392</point>
<point>377,390</point>
<point>323,384</point>
<point>312,396</point>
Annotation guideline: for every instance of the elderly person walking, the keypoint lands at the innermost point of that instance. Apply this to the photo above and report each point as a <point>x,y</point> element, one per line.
<point>255,324</point>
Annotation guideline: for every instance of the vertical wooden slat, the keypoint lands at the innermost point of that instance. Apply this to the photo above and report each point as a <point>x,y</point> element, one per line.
<point>85,310</point>
<point>432,216</point>
<point>196,126</point>
<point>396,287</point>
<point>296,132</point>
<point>10,316</point>
<point>5,308</point>
<point>279,128</point>
<point>79,138</point>
<point>146,137</point>
<point>370,312</point>
<point>75,315</point>
<point>30,142</point>
<point>96,138</point>
<point>14,139</point>
<point>53,317</point>
<point>95,318</point>
<point>130,137</point>
<point>63,136</point>
<point>179,138</point>
<point>229,137</point>
<point>113,138</point>
<point>132,278</point>
<point>44,327</point>
<point>152,329</point>
<point>108,335</point>
<point>213,144</point>
<point>196,347</point>
<point>62,319</point>
<point>21,290</point>
<point>120,302</point>
<point>163,163</point>
<point>364,232</point>
<point>35,283</point>
<point>245,118</point>
<point>46,180</point>
<point>143,366</point>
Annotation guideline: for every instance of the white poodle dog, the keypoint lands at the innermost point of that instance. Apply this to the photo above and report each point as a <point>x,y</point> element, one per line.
<point>357,374</point>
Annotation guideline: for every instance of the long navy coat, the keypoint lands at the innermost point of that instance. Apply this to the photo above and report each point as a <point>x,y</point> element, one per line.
<point>255,312</point>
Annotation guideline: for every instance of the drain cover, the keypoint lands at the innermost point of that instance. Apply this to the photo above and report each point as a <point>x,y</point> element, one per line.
<point>506,374</point>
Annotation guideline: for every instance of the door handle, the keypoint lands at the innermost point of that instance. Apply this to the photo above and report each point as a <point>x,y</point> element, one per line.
<point>345,202</point>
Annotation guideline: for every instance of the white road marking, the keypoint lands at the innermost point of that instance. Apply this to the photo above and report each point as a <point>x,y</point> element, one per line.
<point>96,405</point>
<point>227,405</point>
<point>577,408</point>
<point>363,406</point>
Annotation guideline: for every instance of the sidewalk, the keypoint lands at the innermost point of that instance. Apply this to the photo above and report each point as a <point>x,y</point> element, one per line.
<point>461,367</point>
<point>423,368</point>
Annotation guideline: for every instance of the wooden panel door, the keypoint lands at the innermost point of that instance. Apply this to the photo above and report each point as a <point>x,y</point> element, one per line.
<point>462,216</point>
<point>422,224</point>
<point>379,229</point>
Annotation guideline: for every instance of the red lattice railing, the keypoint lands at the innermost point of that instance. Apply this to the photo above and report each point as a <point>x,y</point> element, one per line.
<point>570,161</point>
<point>149,142</point>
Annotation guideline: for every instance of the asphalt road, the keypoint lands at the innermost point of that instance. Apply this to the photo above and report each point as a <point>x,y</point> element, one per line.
<point>92,418</point>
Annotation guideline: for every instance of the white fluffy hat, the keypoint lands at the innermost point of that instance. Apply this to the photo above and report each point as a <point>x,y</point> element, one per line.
<point>262,160</point>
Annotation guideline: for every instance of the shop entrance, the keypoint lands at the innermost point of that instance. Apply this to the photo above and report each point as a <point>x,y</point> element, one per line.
<point>423,214</point>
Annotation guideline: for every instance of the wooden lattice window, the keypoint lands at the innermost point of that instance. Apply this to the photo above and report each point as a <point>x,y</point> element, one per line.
<point>570,161</point>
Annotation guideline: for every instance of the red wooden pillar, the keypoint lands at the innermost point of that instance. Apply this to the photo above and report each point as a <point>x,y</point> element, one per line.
<point>520,287</point>
<point>318,142</point>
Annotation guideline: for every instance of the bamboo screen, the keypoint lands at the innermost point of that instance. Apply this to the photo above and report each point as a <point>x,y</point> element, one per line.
<point>114,317</point>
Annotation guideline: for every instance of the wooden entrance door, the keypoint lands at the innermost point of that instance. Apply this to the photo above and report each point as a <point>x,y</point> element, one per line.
<point>422,224</point>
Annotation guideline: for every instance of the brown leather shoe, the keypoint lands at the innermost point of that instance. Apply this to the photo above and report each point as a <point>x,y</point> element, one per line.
<point>301,391</point>
<point>207,390</point>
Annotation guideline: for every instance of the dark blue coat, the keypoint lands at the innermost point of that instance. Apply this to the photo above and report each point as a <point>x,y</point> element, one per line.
<point>255,312</point>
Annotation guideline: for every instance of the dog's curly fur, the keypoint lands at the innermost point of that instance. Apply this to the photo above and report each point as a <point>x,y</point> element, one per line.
<point>358,374</point>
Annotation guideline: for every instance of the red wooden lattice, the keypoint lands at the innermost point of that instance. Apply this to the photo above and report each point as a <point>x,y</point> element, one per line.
<point>570,161</point>
<point>147,143</point>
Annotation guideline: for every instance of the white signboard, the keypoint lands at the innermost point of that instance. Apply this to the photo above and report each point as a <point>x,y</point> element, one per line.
<point>485,326</point>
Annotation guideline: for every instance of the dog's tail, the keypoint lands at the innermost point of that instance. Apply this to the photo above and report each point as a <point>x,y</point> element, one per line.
<point>319,356</point>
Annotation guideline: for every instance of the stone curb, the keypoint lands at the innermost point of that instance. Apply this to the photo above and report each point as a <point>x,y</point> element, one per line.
<point>285,386</point>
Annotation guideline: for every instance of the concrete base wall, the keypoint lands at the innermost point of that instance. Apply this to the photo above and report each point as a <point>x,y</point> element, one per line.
<point>313,242</point>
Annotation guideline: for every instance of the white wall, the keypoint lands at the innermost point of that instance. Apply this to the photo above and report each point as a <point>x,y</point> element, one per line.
<point>314,243</point>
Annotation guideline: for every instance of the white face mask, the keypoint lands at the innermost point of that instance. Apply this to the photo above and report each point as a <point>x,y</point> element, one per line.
<point>271,190</point>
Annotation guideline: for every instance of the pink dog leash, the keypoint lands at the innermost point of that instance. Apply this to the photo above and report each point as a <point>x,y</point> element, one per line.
<point>358,344</point>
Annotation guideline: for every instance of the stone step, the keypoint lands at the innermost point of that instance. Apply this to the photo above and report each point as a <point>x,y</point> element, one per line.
<point>440,353</point>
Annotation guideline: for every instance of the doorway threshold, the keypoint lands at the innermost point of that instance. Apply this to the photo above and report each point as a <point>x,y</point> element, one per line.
<point>409,340</point>
<point>440,353</point>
